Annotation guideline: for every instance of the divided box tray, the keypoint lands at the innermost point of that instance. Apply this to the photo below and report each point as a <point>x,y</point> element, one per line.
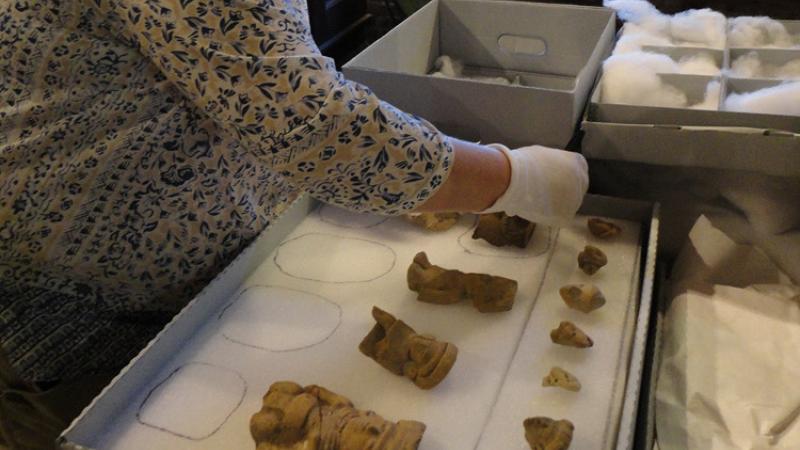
<point>555,50</point>
<point>714,138</point>
<point>296,303</point>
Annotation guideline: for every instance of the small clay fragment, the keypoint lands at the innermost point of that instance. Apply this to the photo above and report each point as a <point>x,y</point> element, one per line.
<point>398,348</point>
<point>500,230</point>
<point>434,284</point>
<point>583,297</point>
<point>434,221</point>
<point>544,433</point>
<point>591,259</point>
<point>559,377</point>
<point>603,229</point>
<point>569,334</point>
<point>293,417</point>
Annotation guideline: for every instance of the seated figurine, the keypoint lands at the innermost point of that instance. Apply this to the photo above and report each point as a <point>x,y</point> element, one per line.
<point>591,259</point>
<point>434,284</point>
<point>500,230</point>
<point>583,297</point>
<point>544,433</point>
<point>434,221</point>
<point>602,228</point>
<point>296,418</point>
<point>569,334</point>
<point>398,348</point>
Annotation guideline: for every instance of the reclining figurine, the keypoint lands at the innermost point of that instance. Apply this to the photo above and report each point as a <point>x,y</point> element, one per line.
<point>434,284</point>
<point>500,230</point>
<point>398,348</point>
<point>544,433</point>
<point>434,221</point>
<point>313,418</point>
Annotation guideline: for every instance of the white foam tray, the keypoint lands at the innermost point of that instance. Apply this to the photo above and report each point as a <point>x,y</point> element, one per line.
<point>296,306</point>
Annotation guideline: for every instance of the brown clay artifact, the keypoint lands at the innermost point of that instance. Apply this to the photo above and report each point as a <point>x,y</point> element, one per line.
<point>591,259</point>
<point>583,297</point>
<point>569,334</point>
<point>293,417</point>
<point>603,229</point>
<point>559,377</point>
<point>500,230</point>
<point>434,284</point>
<point>398,348</point>
<point>544,433</point>
<point>434,221</point>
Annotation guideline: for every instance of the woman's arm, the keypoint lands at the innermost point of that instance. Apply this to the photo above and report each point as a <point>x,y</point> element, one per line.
<point>478,177</point>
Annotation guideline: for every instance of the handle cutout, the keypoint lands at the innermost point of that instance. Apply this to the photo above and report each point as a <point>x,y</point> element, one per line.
<point>522,45</point>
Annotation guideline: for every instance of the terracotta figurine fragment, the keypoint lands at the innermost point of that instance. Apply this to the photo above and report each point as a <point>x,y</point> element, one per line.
<point>559,377</point>
<point>569,334</point>
<point>434,221</point>
<point>603,229</point>
<point>591,259</point>
<point>293,417</point>
<point>583,297</point>
<point>434,284</point>
<point>398,348</point>
<point>500,230</point>
<point>544,433</point>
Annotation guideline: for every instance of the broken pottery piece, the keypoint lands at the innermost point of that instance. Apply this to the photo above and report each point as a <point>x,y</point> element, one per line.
<point>293,417</point>
<point>583,297</point>
<point>569,334</point>
<point>500,230</point>
<point>398,348</point>
<point>603,229</point>
<point>559,377</point>
<point>434,284</point>
<point>439,221</point>
<point>544,433</point>
<point>591,259</point>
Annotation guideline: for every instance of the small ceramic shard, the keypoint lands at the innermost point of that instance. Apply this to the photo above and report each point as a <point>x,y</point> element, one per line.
<point>603,229</point>
<point>500,230</point>
<point>398,348</point>
<point>559,377</point>
<point>440,221</point>
<point>544,433</point>
<point>583,297</point>
<point>488,293</point>
<point>293,417</point>
<point>591,259</point>
<point>569,334</point>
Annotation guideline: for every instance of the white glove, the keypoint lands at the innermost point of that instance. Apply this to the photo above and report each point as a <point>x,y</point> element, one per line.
<point>547,185</point>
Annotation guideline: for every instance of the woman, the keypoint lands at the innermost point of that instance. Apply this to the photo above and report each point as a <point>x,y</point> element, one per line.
<point>144,143</point>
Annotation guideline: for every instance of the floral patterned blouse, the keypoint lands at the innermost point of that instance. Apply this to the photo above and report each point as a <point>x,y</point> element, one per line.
<point>144,143</point>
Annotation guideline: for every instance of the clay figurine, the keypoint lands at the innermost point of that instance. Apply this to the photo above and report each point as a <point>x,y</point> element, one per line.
<point>559,377</point>
<point>434,221</point>
<point>544,433</point>
<point>603,229</point>
<point>591,259</point>
<point>434,284</point>
<point>398,348</point>
<point>569,334</point>
<point>500,230</point>
<point>583,297</point>
<point>293,417</point>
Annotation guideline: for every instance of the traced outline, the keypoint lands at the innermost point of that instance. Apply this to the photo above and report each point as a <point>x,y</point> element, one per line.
<point>498,255</point>
<point>283,271</point>
<point>268,286</point>
<point>162,382</point>
<point>322,218</point>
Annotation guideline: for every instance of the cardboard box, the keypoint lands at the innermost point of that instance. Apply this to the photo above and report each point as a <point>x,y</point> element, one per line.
<point>766,143</point>
<point>556,51</point>
<point>179,340</point>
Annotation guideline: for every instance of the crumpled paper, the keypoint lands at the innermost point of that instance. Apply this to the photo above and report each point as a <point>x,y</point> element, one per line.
<point>730,365</point>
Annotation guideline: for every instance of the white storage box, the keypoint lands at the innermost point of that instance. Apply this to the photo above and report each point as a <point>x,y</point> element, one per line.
<point>766,143</point>
<point>555,50</point>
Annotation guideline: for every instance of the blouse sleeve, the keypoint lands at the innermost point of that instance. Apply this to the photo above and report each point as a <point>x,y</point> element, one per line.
<point>254,68</point>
